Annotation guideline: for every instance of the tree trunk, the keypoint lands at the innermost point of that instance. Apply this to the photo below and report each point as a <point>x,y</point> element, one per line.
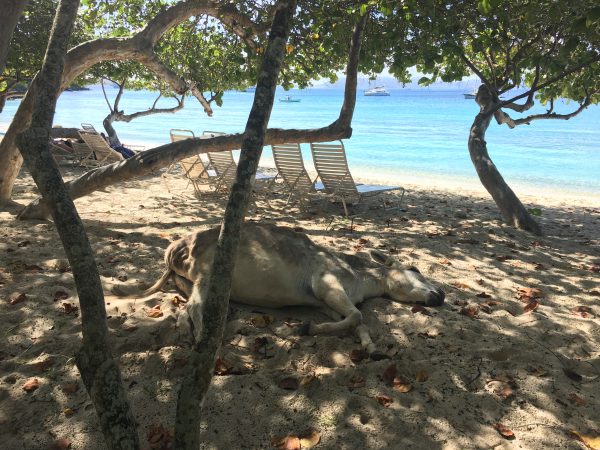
<point>11,12</point>
<point>214,302</point>
<point>98,369</point>
<point>113,138</point>
<point>509,204</point>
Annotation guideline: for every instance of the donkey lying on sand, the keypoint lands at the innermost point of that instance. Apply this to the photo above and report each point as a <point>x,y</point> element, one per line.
<point>278,267</point>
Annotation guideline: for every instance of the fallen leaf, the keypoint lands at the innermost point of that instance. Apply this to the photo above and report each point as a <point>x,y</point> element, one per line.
<point>461,302</point>
<point>60,295</point>
<point>503,258</point>
<point>17,298</point>
<point>539,266</point>
<point>592,268</point>
<point>504,431</point>
<point>389,374</point>
<point>357,355</point>
<point>384,400</point>
<point>591,442</point>
<point>470,311</point>
<point>537,371</point>
<point>160,437</point>
<point>595,293</point>
<point>61,444</point>
<point>485,307</point>
<point>576,399</point>
<point>419,309</point>
<point>68,412</point>
<point>427,335</point>
<point>289,442</point>
<point>444,262</point>
<point>528,294</point>
<point>309,438</point>
<point>69,308</point>
<point>70,387</point>
<point>178,301</point>
<point>288,383</point>
<point>402,385</point>
<point>221,368</point>
<point>483,295</point>
<point>357,381</point>
<point>531,306</point>
<point>583,311</point>
<point>460,285</point>
<point>503,391</point>
<point>43,366</point>
<point>572,375</point>
<point>154,312</point>
<point>262,321</point>
<point>31,385</point>
<point>422,376</point>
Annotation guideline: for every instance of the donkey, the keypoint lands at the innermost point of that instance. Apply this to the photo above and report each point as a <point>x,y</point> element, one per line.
<point>277,267</point>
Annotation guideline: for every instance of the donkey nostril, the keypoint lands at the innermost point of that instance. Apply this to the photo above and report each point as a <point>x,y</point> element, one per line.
<point>436,298</point>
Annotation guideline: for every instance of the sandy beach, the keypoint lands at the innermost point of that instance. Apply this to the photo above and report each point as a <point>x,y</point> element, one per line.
<point>517,343</point>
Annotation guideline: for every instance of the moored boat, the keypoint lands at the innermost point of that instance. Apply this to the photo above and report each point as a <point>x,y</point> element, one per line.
<point>377,91</point>
<point>289,99</point>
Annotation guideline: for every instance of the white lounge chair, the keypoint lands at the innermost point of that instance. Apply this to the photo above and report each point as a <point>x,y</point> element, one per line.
<point>332,166</point>
<point>103,153</point>
<point>290,167</point>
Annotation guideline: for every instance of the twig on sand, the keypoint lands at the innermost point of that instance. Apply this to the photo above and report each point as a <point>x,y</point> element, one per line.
<point>472,380</point>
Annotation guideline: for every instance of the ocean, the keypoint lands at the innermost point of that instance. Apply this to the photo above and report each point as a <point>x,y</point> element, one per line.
<point>413,132</point>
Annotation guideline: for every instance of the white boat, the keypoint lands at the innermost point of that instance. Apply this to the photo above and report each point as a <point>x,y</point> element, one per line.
<point>377,91</point>
<point>472,94</point>
<point>289,99</point>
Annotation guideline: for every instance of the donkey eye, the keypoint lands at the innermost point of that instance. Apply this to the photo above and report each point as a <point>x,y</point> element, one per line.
<point>414,269</point>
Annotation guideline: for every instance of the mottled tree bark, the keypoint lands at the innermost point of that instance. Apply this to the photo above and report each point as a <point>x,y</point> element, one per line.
<point>98,369</point>
<point>508,203</point>
<point>11,12</point>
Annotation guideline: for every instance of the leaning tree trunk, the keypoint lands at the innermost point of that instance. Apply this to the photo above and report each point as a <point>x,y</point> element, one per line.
<point>111,133</point>
<point>98,369</point>
<point>213,302</point>
<point>11,12</point>
<point>509,204</point>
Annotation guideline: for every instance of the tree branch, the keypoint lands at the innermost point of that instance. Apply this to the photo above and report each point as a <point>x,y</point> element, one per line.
<point>129,117</point>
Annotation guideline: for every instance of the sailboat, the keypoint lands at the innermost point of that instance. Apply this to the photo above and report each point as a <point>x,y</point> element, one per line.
<point>377,91</point>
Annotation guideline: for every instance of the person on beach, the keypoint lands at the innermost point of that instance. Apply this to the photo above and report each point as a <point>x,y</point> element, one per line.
<point>126,152</point>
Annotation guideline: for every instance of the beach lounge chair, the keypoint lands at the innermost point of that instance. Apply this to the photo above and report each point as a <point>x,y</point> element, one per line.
<point>104,154</point>
<point>225,167</point>
<point>332,166</point>
<point>194,168</point>
<point>291,169</point>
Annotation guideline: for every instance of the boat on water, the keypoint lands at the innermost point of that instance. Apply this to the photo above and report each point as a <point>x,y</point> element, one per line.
<point>377,91</point>
<point>471,94</point>
<point>289,99</point>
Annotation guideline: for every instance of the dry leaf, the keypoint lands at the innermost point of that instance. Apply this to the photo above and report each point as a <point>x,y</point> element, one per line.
<point>60,295</point>
<point>460,285</point>
<point>528,294</point>
<point>461,302</point>
<point>289,442</point>
<point>591,442</point>
<point>594,293</point>
<point>444,262</point>
<point>69,308</point>
<point>31,385</point>
<point>531,306</point>
<point>357,381</point>
<point>503,258</point>
<point>357,355</point>
<point>17,298</point>
<point>504,431</point>
<point>402,385</point>
<point>583,311</point>
<point>288,383</point>
<point>422,376</point>
<point>539,266</point>
<point>261,321</point>
<point>419,309</point>
<point>70,387</point>
<point>384,400</point>
<point>470,311</point>
<point>389,374</point>
<point>42,366</point>
<point>503,391</point>
<point>61,444</point>
<point>576,399</point>
<point>483,295</point>
<point>309,438</point>
<point>159,437</point>
<point>537,371</point>
<point>154,312</point>
<point>221,368</point>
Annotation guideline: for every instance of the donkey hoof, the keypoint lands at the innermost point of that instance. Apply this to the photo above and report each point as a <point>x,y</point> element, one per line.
<point>378,355</point>
<point>304,330</point>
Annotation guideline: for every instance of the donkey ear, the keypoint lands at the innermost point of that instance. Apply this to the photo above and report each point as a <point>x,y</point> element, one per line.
<point>381,258</point>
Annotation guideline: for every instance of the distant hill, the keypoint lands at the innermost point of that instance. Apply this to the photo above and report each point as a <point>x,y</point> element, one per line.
<point>391,83</point>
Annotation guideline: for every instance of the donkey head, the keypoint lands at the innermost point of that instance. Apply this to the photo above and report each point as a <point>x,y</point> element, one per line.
<point>408,285</point>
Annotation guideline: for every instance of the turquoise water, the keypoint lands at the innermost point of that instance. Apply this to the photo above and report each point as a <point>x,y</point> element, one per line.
<point>413,131</point>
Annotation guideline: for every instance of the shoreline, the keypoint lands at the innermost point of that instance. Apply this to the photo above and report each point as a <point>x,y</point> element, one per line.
<point>529,193</point>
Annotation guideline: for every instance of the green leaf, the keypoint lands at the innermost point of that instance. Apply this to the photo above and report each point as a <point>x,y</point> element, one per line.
<point>535,211</point>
